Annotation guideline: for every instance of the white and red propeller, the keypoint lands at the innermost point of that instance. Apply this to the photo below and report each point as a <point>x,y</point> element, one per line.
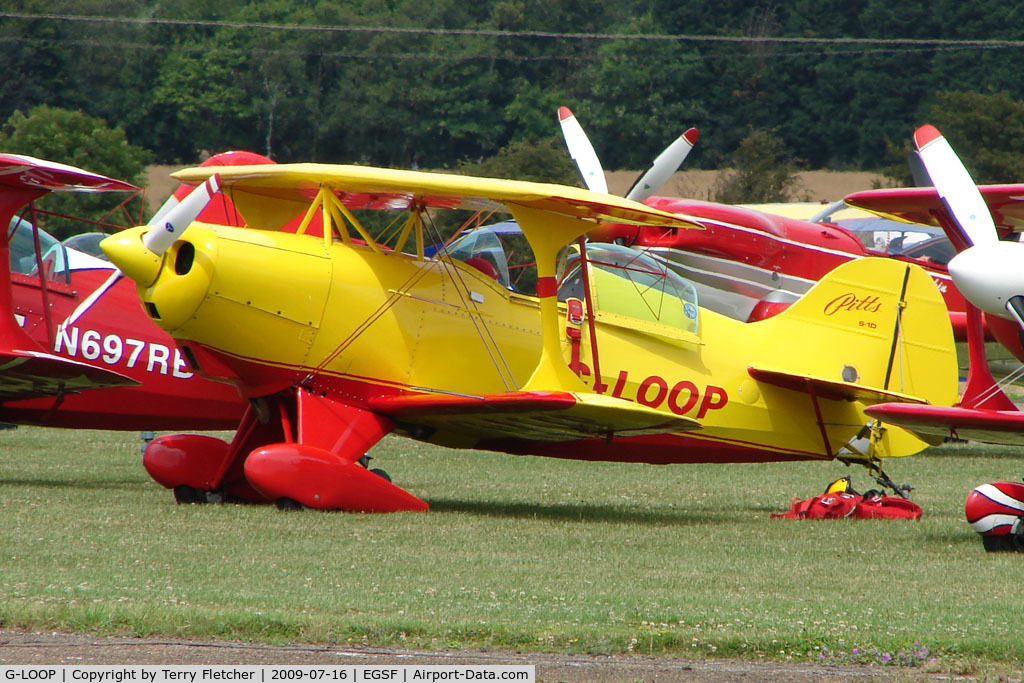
<point>661,169</point>
<point>989,272</point>
<point>158,239</point>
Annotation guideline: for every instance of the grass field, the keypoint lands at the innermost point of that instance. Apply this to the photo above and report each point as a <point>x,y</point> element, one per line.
<point>517,552</point>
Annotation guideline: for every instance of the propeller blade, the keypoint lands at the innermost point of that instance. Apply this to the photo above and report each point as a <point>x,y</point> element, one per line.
<point>1015,307</point>
<point>157,240</point>
<point>582,152</point>
<point>955,186</point>
<point>917,170</point>
<point>161,236</point>
<point>664,165</point>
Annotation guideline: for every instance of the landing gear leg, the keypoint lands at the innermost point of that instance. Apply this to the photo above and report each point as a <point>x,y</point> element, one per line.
<point>902,490</point>
<point>873,433</point>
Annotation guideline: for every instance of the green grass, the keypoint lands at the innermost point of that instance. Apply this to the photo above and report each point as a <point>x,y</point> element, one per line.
<point>517,552</point>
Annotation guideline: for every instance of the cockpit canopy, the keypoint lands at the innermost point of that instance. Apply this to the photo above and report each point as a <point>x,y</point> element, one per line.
<point>628,284</point>
<point>23,252</point>
<point>500,251</point>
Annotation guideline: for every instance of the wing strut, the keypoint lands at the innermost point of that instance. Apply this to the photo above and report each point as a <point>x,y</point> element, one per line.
<point>588,301</point>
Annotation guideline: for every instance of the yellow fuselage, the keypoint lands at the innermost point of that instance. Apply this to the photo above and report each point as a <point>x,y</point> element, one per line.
<point>360,321</point>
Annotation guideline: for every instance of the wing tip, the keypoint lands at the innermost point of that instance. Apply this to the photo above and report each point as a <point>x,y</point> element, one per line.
<point>691,136</point>
<point>564,113</point>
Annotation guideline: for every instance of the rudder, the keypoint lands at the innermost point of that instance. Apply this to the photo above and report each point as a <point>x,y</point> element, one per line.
<point>873,322</point>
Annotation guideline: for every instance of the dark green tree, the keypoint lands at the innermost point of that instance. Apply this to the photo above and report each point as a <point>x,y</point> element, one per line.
<point>761,173</point>
<point>73,138</point>
<point>546,161</point>
<point>987,132</point>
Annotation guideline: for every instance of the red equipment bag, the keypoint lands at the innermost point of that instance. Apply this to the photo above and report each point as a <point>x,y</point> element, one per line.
<point>840,500</point>
<point>887,507</point>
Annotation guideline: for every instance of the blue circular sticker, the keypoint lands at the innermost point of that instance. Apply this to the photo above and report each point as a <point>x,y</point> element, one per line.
<point>690,311</point>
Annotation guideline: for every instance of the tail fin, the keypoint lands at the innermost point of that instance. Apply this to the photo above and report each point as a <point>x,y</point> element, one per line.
<point>872,330</point>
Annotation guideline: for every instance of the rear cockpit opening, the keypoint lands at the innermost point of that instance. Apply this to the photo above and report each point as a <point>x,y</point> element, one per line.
<point>499,251</point>
<point>628,283</point>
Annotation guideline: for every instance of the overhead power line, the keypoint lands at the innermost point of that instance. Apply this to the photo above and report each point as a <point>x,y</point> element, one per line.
<point>763,40</point>
<point>423,55</point>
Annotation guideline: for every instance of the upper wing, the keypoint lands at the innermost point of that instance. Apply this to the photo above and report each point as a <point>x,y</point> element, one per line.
<point>532,415</point>
<point>921,204</point>
<point>269,195</point>
<point>20,171</point>
<point>986,426</point>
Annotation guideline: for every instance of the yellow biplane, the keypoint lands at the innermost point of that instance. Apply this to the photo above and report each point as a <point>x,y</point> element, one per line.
<point>337,336</point>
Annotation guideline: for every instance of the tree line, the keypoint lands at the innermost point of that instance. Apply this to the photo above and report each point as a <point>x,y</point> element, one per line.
<point>409,84</point>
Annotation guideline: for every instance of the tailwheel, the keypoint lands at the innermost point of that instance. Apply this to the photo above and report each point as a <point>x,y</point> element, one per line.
<point>288,504</point>
<point>901,490</point>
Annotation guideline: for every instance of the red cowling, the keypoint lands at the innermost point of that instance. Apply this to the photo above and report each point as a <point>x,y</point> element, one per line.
<point>184,460</point>
<point>320,479</point>
<point>995,509</point>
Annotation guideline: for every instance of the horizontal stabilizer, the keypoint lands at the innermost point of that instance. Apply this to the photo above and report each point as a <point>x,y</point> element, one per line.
<point>985,426</point>
<point>533,415</point>
<point>35,374</point>
<point>830,389</point>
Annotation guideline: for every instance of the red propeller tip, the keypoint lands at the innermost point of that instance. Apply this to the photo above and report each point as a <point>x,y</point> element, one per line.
<point>691,136</point>
<point>564,113</point>
<point>926,134</point>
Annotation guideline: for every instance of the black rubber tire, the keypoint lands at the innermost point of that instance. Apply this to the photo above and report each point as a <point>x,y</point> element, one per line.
<point>288,504</point>
<point>187,495</point>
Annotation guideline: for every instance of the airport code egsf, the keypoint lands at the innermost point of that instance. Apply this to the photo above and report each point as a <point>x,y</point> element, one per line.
<point>356,673</point>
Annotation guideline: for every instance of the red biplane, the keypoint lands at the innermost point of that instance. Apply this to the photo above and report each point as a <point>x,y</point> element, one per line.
<point>49,370</point>
<point>982,223</point>
<point>986,269</point>
<point>748,264</point>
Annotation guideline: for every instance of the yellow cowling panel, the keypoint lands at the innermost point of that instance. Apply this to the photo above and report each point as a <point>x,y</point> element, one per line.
<point>266,298</point>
